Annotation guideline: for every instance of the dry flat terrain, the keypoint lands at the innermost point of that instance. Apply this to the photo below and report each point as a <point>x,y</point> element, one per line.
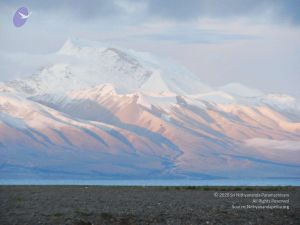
<point>86,205</point>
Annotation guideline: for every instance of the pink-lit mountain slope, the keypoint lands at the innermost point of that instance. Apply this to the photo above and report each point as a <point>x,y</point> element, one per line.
<point>107,112</point>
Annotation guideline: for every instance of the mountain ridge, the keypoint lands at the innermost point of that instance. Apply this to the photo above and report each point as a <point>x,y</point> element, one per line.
<point>113,104</point>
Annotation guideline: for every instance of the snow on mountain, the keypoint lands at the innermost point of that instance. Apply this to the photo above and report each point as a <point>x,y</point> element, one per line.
<point>127,70</point>
<point>216,97</point>
<point>241,90</point>
<point>12,121</point>
<point>41,138</point>
<point>281,101</point>
<point>131,72</point>
<point>117,111</point>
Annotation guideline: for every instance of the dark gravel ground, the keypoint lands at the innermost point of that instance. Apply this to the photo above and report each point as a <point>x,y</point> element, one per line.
<point>86,205</point>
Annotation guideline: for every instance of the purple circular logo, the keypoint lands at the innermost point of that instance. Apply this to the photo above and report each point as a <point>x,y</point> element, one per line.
<point>21,16</point>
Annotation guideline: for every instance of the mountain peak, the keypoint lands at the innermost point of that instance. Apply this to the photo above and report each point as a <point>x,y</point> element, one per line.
<point>76,45</point>
<point>67,46</point>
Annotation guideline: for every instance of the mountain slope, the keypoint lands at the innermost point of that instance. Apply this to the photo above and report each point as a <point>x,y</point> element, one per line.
<point>113,112</point>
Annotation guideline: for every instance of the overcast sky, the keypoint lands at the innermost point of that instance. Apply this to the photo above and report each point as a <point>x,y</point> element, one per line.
<point>254,42</point>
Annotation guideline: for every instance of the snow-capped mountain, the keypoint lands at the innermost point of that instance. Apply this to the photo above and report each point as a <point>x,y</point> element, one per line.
<point>126,70</point>
<point>113,112</point>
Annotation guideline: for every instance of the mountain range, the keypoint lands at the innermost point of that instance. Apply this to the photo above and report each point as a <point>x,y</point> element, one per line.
<point>107,112</point>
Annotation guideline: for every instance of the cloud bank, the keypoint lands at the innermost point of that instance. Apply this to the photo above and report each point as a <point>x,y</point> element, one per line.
<point>276,11</point>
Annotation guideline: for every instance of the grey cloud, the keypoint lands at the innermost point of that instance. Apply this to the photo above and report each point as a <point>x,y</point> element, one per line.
<point>278,10</point>
<point>77,8</point>
<point>195,36</point>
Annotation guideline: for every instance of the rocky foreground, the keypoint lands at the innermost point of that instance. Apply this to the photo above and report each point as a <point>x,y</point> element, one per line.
<point>86,205</point>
